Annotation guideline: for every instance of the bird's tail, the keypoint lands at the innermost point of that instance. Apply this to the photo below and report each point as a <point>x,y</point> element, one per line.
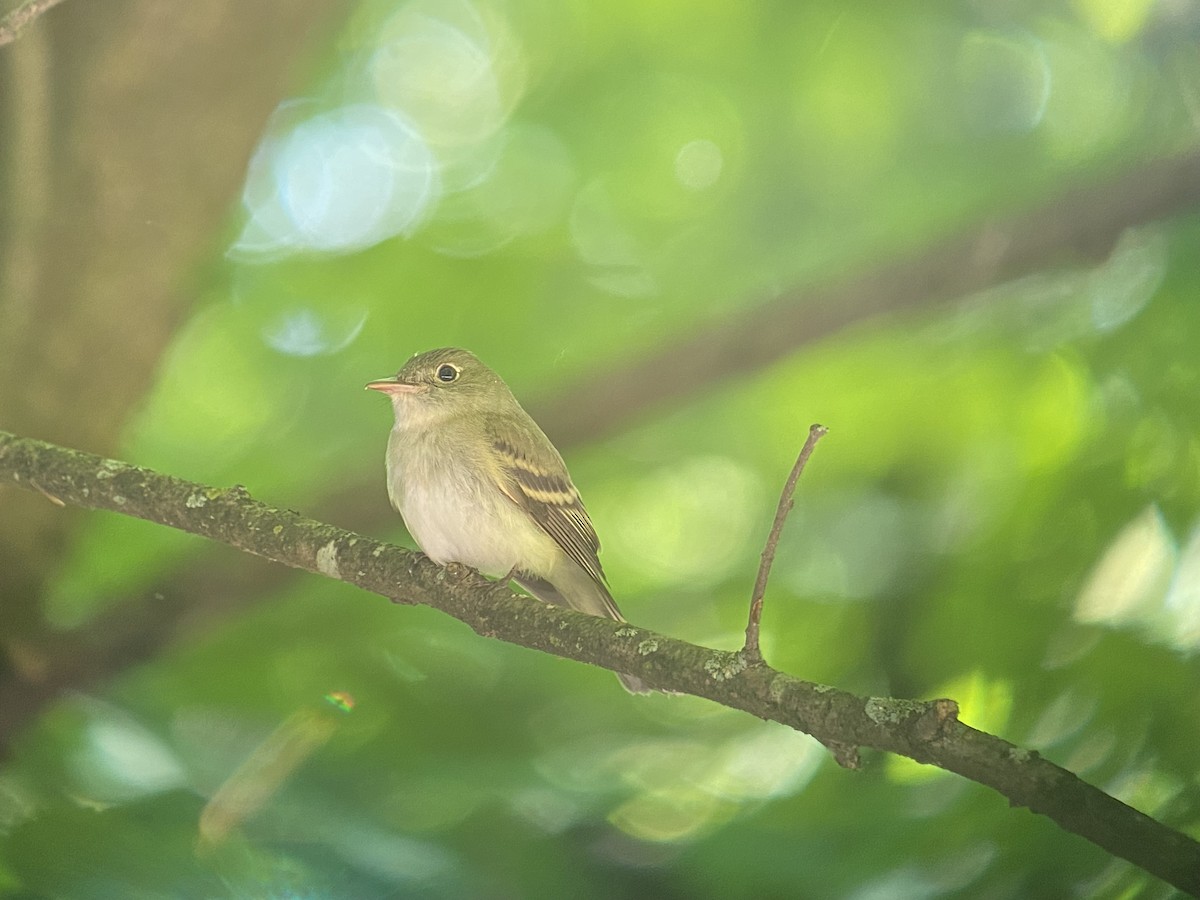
<point>633,684</point>
<point>579,591</point>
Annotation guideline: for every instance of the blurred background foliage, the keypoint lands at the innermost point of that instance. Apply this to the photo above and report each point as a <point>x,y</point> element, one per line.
<point>221,221</point>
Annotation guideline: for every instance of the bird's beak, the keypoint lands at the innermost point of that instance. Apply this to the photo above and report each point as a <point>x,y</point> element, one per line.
<point>393,386</point>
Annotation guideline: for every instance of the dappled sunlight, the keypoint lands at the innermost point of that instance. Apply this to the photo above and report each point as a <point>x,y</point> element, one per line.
<point>685,788</point>
<point>1055,409</point>
<point>682,151</point>
<point>526,192</point>
<point>233,416</point>
<point>983,703</point>
<point>606,243</point>
<point>1181,607</point>
<point>1146,787</point>
<point>1062,719</point>
<point>1128,583</point>
<point>1094,750</point>
<point>848,92</point>
<point>886,401</point>
<point>296,309</point>
<point>419,653</point>
<point>698,164</point>
<point>436,83</point>
<point>1120,287</point>
<point>677,786</point>
<point>432,801</point>
<point>549,810</point>
<point>1055,308</point>
<point>120,759</point>
<point>1091,95</point>
<point>847,547</point>
<point>1147,582</point>
<point>405,863</point>
<point>687,524</point>
<point>938,875</point>
<point>304,332</point>
<point>1116,20</point>
<point>338,182</point>
<point>1005,80</point>
<point>678,812</point>
<point>1068,729</point>
<point>769,212</point>
<point>580,764</point>
<point>903,770</point>
<point>450,66</point>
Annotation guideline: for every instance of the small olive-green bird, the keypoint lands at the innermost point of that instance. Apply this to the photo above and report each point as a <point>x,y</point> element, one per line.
<point>479,484</point>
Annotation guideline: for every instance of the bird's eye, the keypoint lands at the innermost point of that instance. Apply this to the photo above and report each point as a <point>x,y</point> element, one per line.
<point>447,373</point>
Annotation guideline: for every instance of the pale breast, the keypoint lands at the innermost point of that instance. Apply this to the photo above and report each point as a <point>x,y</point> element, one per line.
<point>456,516</point>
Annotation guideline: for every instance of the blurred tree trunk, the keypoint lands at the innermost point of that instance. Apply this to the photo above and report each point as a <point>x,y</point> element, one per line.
<point>125,128</point>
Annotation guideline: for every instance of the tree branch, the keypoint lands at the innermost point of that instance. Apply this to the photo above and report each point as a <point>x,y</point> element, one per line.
<point>22,17</point>
<point>928,732</point>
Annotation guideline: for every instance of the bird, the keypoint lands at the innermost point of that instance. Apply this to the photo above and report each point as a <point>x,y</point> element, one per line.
<point>478,483</point>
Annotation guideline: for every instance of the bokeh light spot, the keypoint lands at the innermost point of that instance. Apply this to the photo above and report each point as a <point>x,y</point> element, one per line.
<point>1121,287</point>
<point>307,332</point>
<point>1055,412</point>
<point>1004,79</point>
<point>698,164</point>
<point>1132,576</point>
<point>604,241</point>
<point>1090,100</point>
<point>1115,20</point>
<point>121,759</point>
<point>687,788</point>
<point>438,65</point>
<point>851,552</point>
<point>688,523</point>
<point>337,182</point>
<point>1063,718</point>
<point>1182,604</point>
<point>526,191</point>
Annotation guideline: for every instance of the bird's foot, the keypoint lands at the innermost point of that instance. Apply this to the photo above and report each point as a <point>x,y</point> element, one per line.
<point>457,571</point>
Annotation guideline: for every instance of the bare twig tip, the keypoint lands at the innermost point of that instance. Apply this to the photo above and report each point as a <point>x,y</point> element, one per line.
<point>751,649</point>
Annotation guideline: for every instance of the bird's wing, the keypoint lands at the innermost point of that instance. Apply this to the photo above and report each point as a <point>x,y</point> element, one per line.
<point>536,479</point>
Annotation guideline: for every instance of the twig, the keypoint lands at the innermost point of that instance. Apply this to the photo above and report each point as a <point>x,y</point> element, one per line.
<point>927,731</point>
<point>20,18</point>
<point>751,651</point>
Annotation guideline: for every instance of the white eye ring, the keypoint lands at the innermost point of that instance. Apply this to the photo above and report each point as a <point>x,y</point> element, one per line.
<point>447,373</point>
